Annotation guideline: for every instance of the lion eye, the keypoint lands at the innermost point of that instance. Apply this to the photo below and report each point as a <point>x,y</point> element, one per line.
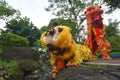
<point>60,30</point>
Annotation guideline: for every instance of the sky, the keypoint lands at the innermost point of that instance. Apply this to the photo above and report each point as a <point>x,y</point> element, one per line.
<point>35,10</point>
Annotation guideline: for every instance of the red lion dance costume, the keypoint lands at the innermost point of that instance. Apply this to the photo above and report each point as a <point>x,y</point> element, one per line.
<point>95,39</point>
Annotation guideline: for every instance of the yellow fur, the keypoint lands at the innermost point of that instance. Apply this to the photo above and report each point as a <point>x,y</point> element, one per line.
<point>64,39</point>
<point>42,39</point>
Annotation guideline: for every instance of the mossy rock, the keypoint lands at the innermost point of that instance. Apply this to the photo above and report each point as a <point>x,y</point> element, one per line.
<point>14,71</point>
<point>19,53</point>
<point>28,66</point>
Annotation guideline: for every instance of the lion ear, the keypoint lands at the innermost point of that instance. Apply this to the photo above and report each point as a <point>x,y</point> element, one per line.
<point>60,29</point>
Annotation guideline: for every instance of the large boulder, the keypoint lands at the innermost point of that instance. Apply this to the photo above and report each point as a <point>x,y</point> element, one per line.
<point>19,53</point>
<point>88,73</point>
<point>84,72</point>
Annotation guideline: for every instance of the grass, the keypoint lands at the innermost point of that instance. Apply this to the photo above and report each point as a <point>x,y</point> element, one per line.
<point>14,71</point>
<point>2,62</point>
<point>114,52</point>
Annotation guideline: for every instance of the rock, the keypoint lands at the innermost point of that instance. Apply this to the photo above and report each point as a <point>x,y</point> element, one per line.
<point>19,53</point>
<point>84,72</point>
<point>117,74</point>
<point>31,77</point>
<point>28,66</point>
<point>1,67</point>
<point>2,78</point>
<point>2,72</point>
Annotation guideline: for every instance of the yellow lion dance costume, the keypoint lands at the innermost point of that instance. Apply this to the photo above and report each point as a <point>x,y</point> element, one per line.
<point>63,49</point>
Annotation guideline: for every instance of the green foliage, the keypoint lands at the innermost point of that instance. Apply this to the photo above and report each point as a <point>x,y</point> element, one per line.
<point>113,4</point>
<point>43,29</point>
<point>72,10</point>
<point>115,43</point>
<point>69,9</point>
<point>2,62</point>
<point>18,25</point>
<point>38,46</point>
<point>9,40</point>
<point>64,22</point>
<point>15,72</point>
<point>113,34</point>
<point>25,28</point>
<point>6,10</point>
<point>112,29</point>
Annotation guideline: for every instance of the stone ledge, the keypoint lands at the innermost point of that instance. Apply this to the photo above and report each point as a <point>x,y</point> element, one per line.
<point>108,63</point>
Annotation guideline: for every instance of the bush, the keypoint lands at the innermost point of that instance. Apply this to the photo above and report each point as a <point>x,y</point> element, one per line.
<point>12,69</point>
<point>2,62</point>
<point>9,40</point>
<point>15,72</point>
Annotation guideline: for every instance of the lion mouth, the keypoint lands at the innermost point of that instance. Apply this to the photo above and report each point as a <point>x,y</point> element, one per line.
<point>97,20</point>
<point>51,39</point>
<point>55,50</point>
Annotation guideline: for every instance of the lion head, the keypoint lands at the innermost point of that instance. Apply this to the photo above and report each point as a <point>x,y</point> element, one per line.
<point>59,41</point>
<point>93,15</point>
